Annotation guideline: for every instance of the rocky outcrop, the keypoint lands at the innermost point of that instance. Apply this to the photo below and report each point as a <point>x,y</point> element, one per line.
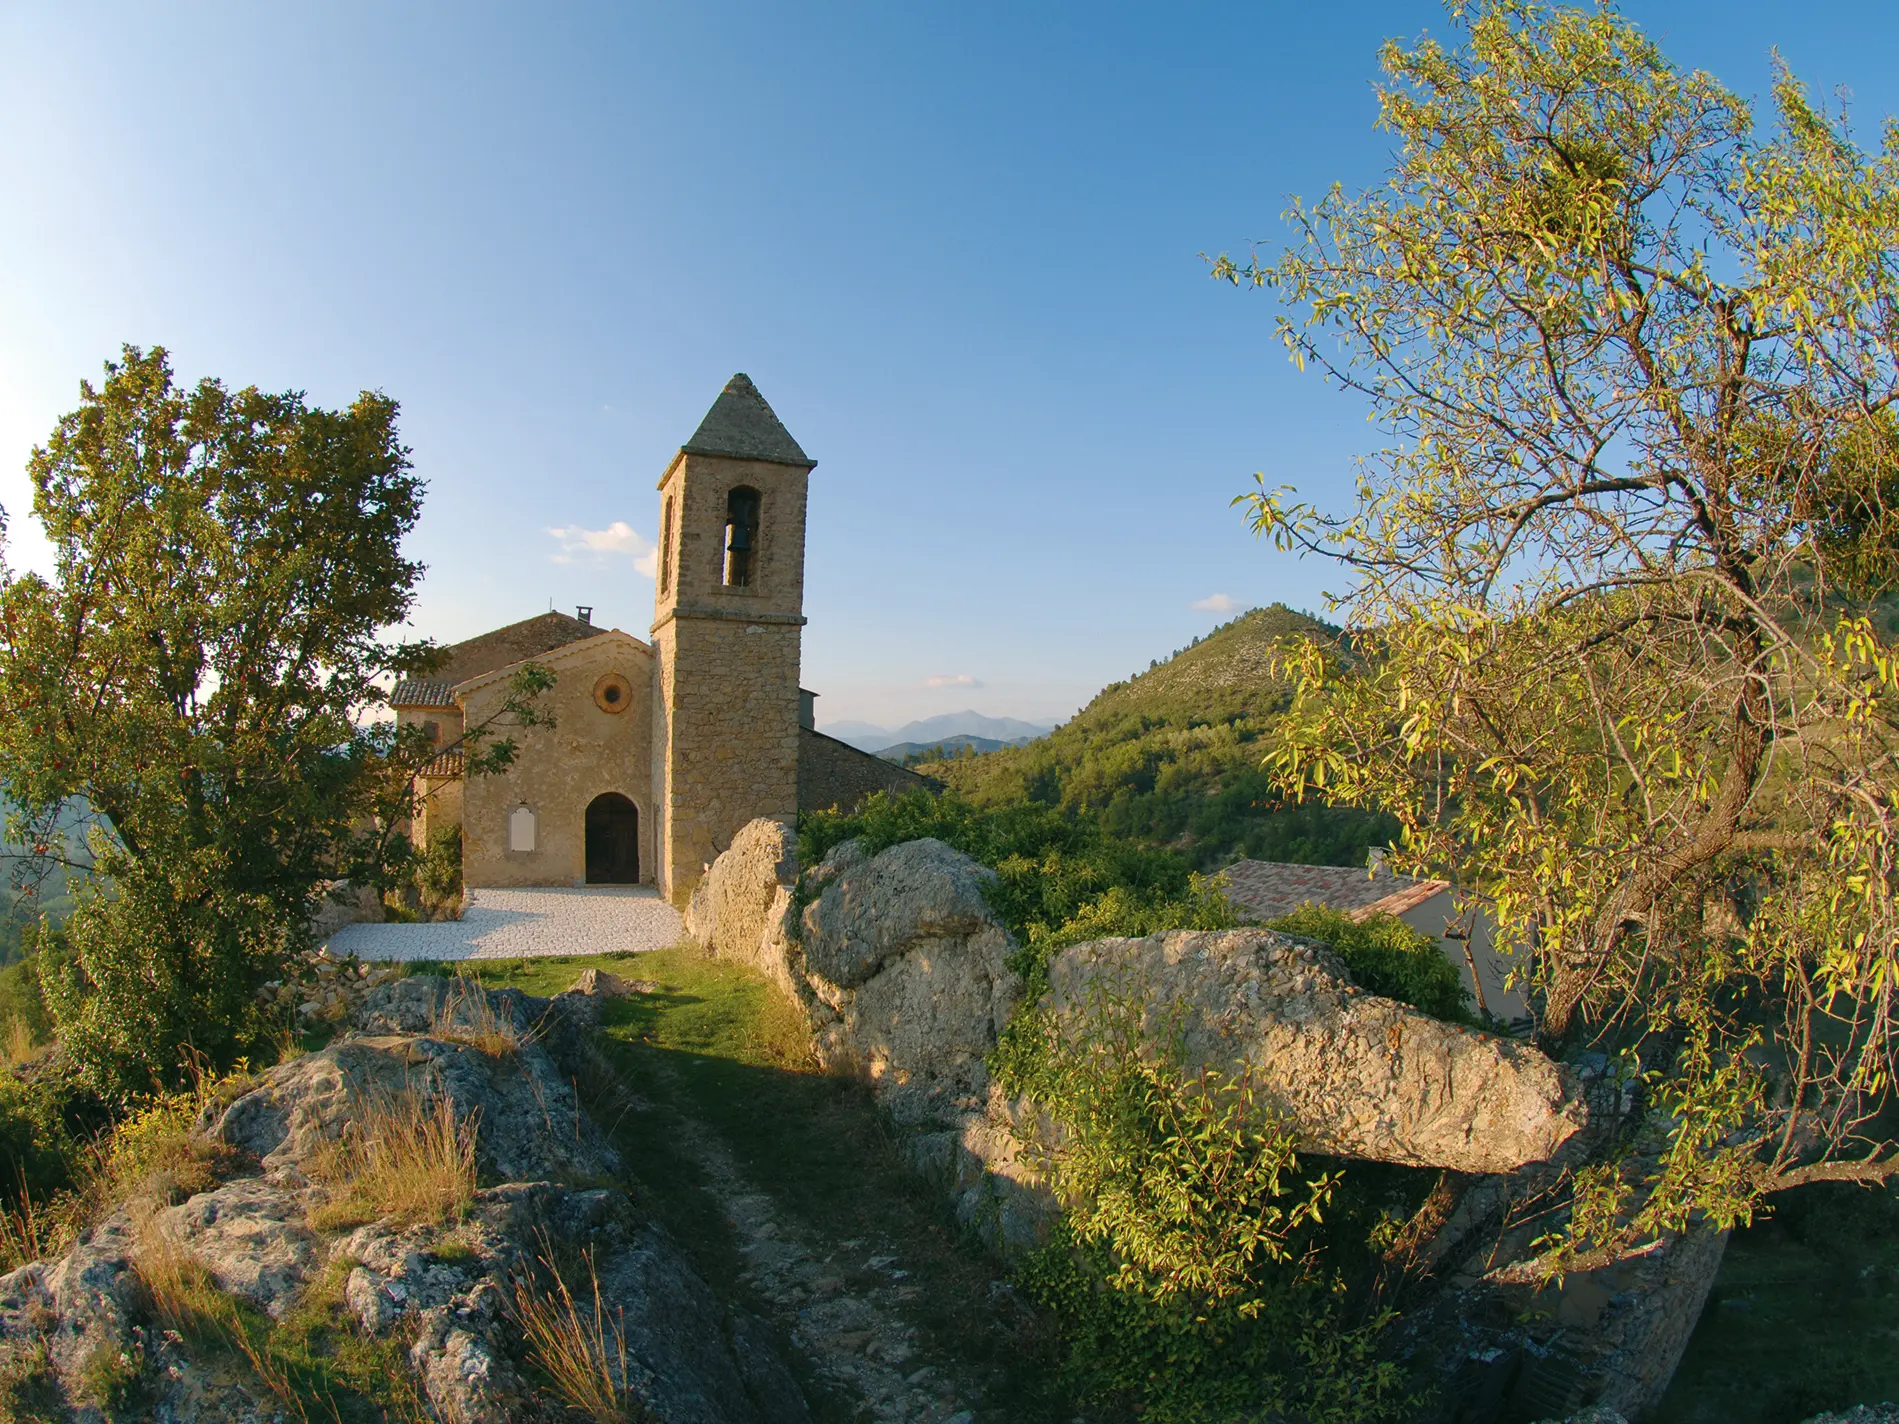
<point>1352,1074</point>
<point>741,908</point>
<point>908,969</point>
<point>81,1330</point>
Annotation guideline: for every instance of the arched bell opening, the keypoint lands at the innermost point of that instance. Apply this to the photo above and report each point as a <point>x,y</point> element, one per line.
<point>613,840</point>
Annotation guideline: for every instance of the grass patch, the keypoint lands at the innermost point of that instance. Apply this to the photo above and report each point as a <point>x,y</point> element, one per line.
<point>315,1364</point>
<point>29,1388</point>
<point>399,1160</point>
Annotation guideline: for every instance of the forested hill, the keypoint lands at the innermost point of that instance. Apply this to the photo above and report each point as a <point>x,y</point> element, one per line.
<point>1171,757</point>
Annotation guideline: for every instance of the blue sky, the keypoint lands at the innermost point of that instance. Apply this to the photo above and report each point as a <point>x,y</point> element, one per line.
<point>956,246</point>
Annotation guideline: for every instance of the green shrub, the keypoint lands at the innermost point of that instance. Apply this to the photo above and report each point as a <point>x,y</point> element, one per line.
<point>1192,1275</point>
<point>1388,957</point>
<point>437,874</point>
<point>1060,881</point>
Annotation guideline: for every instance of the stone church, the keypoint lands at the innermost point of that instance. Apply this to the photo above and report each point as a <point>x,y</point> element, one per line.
<point>659,750</point>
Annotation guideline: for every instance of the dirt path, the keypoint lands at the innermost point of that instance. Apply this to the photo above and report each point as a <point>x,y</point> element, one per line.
<point>841,1302</point>
<point>788,1189</point>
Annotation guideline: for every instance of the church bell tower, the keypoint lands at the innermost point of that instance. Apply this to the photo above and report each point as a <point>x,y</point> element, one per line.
<point>727,614</point>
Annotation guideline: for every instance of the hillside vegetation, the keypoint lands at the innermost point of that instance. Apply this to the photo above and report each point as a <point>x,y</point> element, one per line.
<point>1172,757</point>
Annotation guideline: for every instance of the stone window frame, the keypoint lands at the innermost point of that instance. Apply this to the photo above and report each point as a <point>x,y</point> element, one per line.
<point>533,825</point>
<point>666,547</point>
<point>753,568</point>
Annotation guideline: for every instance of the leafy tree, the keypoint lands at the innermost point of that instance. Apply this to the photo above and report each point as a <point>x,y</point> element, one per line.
<point>1637,364</point>
<point>194,672</point>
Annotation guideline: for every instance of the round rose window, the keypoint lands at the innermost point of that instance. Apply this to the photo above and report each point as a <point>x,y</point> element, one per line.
<point>613,693</point>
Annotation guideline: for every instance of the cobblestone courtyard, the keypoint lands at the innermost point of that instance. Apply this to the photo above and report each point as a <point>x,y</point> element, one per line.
<point>531,924</point>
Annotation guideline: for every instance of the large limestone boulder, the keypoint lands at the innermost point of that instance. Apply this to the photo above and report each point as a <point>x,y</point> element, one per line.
<point>1354,1075</point>
<point>741,909</point>
<point>907,967</point>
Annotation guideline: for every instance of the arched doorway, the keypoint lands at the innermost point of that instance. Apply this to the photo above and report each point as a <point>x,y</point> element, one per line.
<point>613,840</point>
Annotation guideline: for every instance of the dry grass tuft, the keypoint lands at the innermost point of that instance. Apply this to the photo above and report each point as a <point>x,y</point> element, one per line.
<point>399,1160</point>
<point>17,1043</point>
<point>182,1294</point>
<point>466,1015</point>
<point>581,1350</point>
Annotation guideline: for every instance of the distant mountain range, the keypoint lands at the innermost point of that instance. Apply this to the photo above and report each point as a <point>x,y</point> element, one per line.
<point>934,731</point>
<point>948,747</point>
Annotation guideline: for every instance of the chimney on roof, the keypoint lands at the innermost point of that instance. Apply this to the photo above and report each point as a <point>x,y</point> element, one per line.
<point>584,612</point>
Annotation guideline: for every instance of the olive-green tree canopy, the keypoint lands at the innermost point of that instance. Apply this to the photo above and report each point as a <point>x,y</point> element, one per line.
<point>193,672</point>
<point>1621,662</point>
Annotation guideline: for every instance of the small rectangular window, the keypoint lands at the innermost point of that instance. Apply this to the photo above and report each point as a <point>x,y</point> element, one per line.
<point>666,550</point>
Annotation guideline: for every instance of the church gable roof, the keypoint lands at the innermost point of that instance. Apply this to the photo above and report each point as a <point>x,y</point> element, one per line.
<point>742,426</point>
<point>555,657</point>
<point>503,647</point>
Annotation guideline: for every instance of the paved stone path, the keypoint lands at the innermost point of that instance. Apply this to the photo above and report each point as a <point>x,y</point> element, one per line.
<point>515,924</point>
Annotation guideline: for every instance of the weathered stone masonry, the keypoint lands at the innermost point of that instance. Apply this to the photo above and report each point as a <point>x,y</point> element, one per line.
<point>701,731</point>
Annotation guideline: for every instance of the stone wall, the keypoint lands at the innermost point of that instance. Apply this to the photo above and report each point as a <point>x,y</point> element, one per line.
<point>725,730</point>
<point>836,775</point>
<point>561,768</point>
<point>729,752</point>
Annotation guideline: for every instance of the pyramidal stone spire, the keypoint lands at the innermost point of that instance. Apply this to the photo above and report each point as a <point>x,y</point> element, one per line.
<point>742,426</point>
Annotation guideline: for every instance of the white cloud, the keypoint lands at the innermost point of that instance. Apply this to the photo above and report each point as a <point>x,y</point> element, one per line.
<point>1216,603</point>
<point>952,679</point>
<point>618,538</point>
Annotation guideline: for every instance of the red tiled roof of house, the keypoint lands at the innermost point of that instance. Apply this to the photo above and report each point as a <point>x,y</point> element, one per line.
<point>1266,889</point>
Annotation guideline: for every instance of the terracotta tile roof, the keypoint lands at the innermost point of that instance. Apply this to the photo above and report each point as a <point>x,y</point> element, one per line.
<point>422,692</point>
<point>1266,889</point>
<point>445,766</point>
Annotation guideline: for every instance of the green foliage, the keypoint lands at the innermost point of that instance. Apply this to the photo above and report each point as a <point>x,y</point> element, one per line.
<point>1172,756</point>
<point>1637,357</point>
<point>1190,1272</point>
<point>438,870</point>
<point>224,562</point>
<point>41,1151</point>
<point>1060,880</point>
<point>1386,956</point>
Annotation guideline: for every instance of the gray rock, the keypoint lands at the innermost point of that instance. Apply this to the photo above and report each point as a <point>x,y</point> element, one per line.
<point>608,986</point>
<point>745,893</point>
<point>1860,1414</point>
<point>1354,1075</point>
<point>876,909</point>
<point>251,1236</point>
<point>531,1125</point>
